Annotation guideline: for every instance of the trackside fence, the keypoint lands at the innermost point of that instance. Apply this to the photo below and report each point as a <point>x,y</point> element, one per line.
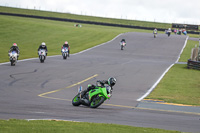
<point>193,64</point>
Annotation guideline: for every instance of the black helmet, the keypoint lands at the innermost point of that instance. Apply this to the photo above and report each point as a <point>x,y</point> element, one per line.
<point>111,81</point>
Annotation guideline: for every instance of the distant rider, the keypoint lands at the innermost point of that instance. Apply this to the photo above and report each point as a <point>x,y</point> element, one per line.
<point>110,82</point>
<point>155,31</point>
<point>123,41</point>
<point>66,44</point>
<point>44,47</point>
<point>14,48</point>
<point>175,31</point>
<point>169,31</point>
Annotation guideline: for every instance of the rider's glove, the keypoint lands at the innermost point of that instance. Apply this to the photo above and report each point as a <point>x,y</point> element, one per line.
<point>92,86</point>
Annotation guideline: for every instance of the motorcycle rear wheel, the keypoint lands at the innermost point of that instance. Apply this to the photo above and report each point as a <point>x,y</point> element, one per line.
<point>96,101</point>
<point>76,100</point>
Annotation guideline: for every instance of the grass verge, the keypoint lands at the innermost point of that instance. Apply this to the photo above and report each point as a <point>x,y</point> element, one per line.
<point>187,51</point>
<point>179,85</point>
<point>46,126</point>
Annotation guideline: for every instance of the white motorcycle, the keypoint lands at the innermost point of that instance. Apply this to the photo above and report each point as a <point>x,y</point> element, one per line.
<point>42,55</point>
<point>65,52</point>
<point>13,57</point>
<point>122,44</point>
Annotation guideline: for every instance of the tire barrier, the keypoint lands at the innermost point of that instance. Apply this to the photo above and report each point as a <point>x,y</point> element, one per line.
<point>193,64</point>
<point>88,22</point>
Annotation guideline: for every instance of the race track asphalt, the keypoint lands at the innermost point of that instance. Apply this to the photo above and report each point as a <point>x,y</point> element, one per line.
<point>34,90</point>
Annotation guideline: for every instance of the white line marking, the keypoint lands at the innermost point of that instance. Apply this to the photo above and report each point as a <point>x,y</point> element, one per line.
<point>98,45</point>
<point>51,119</point>
<point>155,84</point>
<point>71,54</point>
<point>38,112</point>
<point>182,49</point>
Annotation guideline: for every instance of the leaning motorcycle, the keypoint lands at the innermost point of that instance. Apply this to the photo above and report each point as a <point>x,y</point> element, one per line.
<point>122,45</point>
<point>94,98</point>
<point>42,55</point>
<point>65,52</point>
<point>13,57</point>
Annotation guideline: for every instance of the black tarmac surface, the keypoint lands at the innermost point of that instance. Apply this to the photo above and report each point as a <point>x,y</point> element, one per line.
<point>34,90</point>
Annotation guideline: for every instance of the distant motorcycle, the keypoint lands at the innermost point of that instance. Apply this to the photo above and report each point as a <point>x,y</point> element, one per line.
<point>42,55</point>
<point>13,57</point>
<point>169,32</point>
<point>65,52</point>
<point>94,98</point>
<point>122,45</point>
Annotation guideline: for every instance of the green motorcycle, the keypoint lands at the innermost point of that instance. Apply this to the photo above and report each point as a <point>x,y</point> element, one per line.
<point>94,98</point>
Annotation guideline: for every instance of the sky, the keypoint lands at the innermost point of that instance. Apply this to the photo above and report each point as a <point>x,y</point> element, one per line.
<point>167,11</point>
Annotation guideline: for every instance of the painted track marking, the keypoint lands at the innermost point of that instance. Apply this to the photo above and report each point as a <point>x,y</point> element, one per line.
<point>50,92</point>
<point>43,94</point>
<point>172,111</point>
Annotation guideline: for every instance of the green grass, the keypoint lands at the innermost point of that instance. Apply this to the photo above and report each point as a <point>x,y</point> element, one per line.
<point>43,126</point>
<point>89,18</point>
<point>180,85</point>
<point>85,18</point>
<point>187,51</point>
<point>194,35</point>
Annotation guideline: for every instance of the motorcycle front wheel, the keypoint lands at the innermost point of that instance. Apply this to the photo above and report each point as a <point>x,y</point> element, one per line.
<point>64,56</point>
<point>76,100</point>
<point>41,59</point>
<point>12,63</point>
<point>122,47</point>
<point>96,101</point>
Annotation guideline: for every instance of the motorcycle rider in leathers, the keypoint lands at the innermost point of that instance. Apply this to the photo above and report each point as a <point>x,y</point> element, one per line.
<point>111,82</point>
<point>123,40</point>
<point>66,44</point>
<point>43,46</point>
<point>15,48</point>
<point>155,31</point>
